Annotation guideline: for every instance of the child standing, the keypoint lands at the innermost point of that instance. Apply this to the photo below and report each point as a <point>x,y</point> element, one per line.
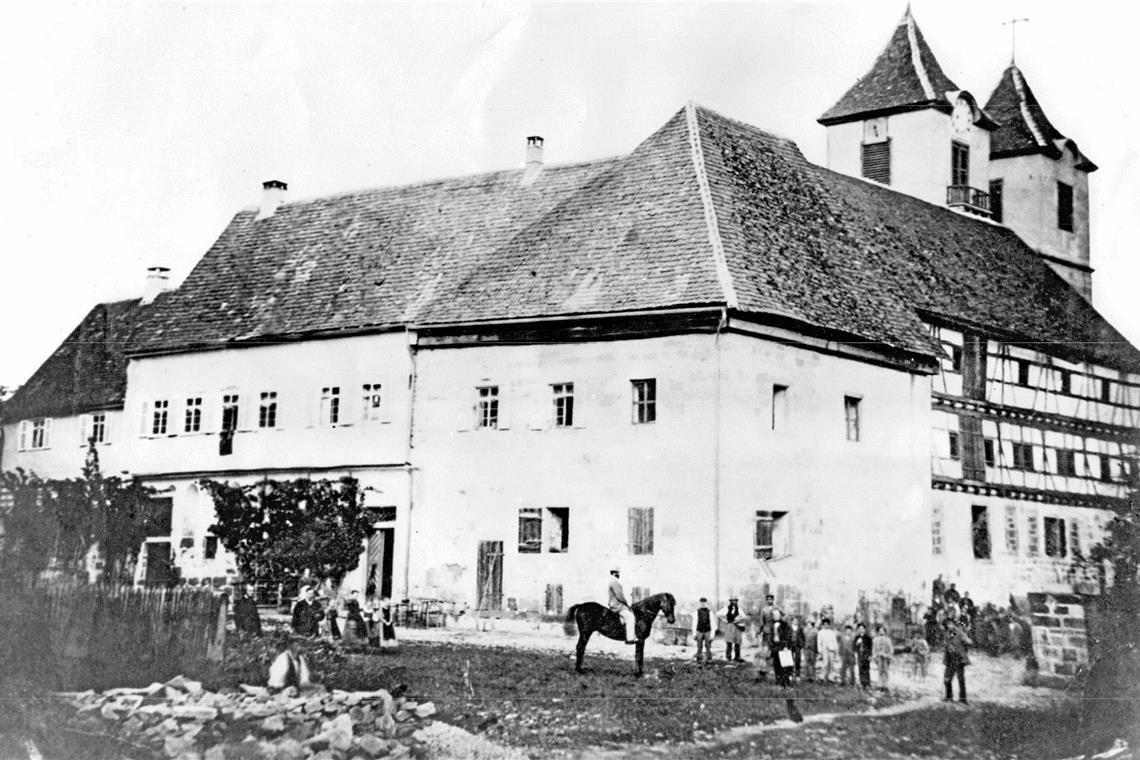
<point>847,656</point>
<point>920,652</point>
<point>883,650</point>
<point>863,648</point>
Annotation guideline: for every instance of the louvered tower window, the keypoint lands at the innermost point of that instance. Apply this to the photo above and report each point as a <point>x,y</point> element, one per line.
<point>877,161</point>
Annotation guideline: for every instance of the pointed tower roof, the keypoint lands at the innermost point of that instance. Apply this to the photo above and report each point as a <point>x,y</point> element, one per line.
<point>905,77</point>
<point>1025,129</point>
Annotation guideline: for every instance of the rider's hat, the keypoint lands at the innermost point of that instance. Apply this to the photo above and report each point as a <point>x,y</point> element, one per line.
<point>615,569</point>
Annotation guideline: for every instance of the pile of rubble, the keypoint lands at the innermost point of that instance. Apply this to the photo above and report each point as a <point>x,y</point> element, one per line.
<point>182,720</point>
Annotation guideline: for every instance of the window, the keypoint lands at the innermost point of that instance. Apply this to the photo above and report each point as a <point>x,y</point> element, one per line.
<point>1066,462</point>
<point>959,164</point>
<point>980,531</point>
<point>851,413</point>
<point>644,401</point>
<point>1074,538</point>
<point>267,410</point>
<point>877,161</point>
<point>330,405</point>
<point>210,550</point>
<point>1106,391</point>
<point>563,404</point>
<point>769,541</point>
<point>779,407</point>
<point>1023,456</point>
<point>1011,529</point>
<point>230,412</point>
<point>35,434</point>
<point>1065,206</point>
<point>556,536</point>
<point>488,407</point>
<point>955,358</point>
<point>158,519</point>
<point>1055,544</point>
<point>553,599</point>
<point>530,530</point>
<point>1033,535</point>
<point>192,422</point>
<point>955,453</point>
<point>370,400</point>
<point>995,200</point>
<point>988,452</point>
<point>1106,469</point>
<point>98,431</point>
<point>1022,367</point>
<point>1065,381</point>
<point>158,417</point>
<point>641,530</point>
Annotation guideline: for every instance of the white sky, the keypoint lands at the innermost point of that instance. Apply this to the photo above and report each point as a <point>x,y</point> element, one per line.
<point>133,131</point>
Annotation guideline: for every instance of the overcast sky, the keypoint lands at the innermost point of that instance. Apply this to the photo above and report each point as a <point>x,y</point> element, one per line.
<point>134,131</point>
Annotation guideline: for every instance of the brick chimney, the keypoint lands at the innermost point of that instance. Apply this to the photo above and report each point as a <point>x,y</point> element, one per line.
<point>272,196</point>
<point>533,159</point>
<point>157,281</point>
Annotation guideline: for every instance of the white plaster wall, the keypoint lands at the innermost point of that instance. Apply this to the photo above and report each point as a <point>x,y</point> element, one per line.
<point>1030,209</point>
<point>297,372</point>
<point>855,506</point>
<point>1008,571</point>
<point>67,449</point>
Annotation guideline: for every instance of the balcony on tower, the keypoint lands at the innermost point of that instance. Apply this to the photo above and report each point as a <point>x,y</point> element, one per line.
<point>969,199</point>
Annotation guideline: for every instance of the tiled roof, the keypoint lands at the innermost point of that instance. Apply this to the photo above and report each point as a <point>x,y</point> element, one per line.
<point>706,211</point>
<point>1024,126</point>
<point>87,372</point>
<point>906,76</point>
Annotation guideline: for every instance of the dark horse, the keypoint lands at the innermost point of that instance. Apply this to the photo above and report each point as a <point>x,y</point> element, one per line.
<point>591,617</point>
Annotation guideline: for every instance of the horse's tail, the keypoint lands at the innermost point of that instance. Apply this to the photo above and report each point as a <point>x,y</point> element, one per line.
<point>569,626</point>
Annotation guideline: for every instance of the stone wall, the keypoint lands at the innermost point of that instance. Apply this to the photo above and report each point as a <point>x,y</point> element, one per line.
<point>1060,643</point>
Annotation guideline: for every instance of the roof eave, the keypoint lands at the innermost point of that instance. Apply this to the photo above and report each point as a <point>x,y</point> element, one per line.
<point>937,104</point>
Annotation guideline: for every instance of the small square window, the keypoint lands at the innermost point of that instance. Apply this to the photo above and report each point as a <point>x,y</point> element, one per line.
<point>330,405</point>
<point>267,411</point>
<point>955,453</point>
<point>192,420</point>
<point>980,531</point>
<point>988,452</point>
<point>530,530</point>
<point>370,400</point>
<point>159,415</point>
<point>210,550</point>
<point>1065,381</point>
<point>1022,371</point>
<point>1106,469</point>
<point>1106,390</point>
<point>770,539</point>
<point>779,407</point>
<point>1065,206</point>
<point>1066,462</point>
<point>1023,456</point>
<point>1055,540</point>
<point>98,432</point>
<point>644,401</point>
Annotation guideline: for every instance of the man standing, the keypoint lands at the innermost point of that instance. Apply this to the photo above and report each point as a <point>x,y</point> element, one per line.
<point>766,621</point>
<point>811,650</point>
<point>702,632</point>
<point>829,649</point>
<point>864,648</point>
<point>246,619</point>
<point>306,615</point>
<point>733,629</point>
<point>847,656</point>
<point>955,657</point>
<point>618,604</point>
<point>883,650</point>
<point>780,648</point>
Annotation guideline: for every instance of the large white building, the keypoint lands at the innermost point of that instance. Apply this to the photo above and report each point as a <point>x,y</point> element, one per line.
<point>708,361</point>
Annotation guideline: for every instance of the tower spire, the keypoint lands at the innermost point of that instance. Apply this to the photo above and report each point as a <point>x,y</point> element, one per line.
<point>1012,24</point>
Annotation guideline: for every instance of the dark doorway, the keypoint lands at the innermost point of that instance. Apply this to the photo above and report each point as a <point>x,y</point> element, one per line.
<point>381,549</point>
<point>158,565</point>
<point>489,580</point>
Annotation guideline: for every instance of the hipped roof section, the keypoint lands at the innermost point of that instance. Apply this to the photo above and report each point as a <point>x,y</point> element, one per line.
<point>707,211</point>
<point>1025,129</point>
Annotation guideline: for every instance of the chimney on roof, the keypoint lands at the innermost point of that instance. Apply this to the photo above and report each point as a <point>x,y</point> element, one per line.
<point>533,159</point>
<point>157,281</point>
<point>272,196</point>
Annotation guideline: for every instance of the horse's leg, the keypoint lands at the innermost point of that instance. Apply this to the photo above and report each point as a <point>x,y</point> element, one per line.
<point>639,653</point>
<point>583,637</point>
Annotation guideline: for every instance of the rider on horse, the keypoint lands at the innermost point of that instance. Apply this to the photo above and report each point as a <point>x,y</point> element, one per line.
<point>619,605</point>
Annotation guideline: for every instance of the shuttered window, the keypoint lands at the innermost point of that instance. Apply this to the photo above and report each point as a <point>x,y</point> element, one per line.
<point>641,530</point>
<point>1065,206</point>
<point>995,200</point>
<point>959,164</point>
<point>877,161</point>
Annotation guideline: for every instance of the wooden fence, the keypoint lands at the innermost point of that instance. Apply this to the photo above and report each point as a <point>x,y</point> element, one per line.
<point>98,636</point>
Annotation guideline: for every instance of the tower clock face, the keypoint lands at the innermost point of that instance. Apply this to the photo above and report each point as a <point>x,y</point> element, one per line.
<point>875,130</point>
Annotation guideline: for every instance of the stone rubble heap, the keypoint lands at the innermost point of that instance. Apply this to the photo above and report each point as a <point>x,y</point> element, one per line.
<point>182,720</point>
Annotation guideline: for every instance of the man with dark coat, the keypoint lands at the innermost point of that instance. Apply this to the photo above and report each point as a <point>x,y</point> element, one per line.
<point>864,648</point>
<point>306,614</point>
<point>780,641</point>
<point>955,657</point>
<point>703,631</point>
<point>246,619</point>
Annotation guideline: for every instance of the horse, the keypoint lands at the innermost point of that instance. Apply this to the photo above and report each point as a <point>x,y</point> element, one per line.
<point>592,617</point>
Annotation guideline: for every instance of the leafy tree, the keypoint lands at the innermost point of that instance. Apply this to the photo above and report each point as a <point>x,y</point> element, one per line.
<point>280,529</point>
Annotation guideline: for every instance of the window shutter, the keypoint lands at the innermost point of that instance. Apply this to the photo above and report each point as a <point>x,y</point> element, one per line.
<point>47,433</point>
<point>85,421</point>
<point>631,532</point>
<point>647,531</point>
<point>506,407</point>
<point>22,444</point>
<point>877,161</point>
<point>387,408</point>
<point>144,419</point>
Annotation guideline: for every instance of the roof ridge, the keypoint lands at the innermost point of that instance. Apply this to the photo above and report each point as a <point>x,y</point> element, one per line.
<point>440,181</point>
<point>698,158</point>
<point>1026,112</point>
<point>916,55</point>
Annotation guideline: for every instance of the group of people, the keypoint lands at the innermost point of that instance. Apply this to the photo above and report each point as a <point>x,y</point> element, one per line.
<point>792,649</point>
<point>370,625</point>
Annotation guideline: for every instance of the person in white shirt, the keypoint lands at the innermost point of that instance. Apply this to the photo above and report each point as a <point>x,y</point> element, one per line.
<point>618,604</point>
<point>828,643</point>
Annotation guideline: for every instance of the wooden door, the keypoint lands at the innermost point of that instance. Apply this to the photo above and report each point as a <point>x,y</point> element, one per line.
<point>489,579</point>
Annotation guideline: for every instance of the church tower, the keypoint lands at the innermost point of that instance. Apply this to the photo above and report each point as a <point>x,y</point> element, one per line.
<point>907,125</point>
<point>1039,181</point>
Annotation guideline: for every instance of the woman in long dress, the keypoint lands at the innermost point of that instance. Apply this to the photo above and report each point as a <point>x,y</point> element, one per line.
<point>388,625</point>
